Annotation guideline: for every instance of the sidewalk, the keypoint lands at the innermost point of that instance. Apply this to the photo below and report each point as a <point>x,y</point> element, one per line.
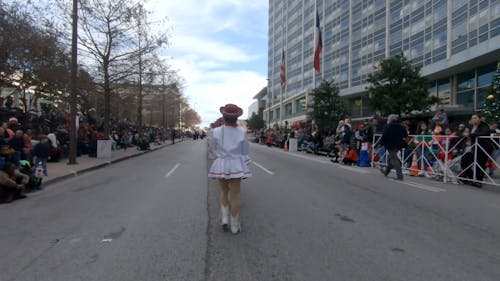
<point>61,170</point>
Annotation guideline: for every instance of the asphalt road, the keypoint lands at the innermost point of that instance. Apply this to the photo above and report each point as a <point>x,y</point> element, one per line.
<point>156,217</point>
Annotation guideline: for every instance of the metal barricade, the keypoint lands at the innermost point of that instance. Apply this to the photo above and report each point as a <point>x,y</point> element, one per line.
<point>446,158</point>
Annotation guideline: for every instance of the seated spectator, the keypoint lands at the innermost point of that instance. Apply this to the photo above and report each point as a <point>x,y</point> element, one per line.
<point>17,143</point>
<point>8,133</point>
<point>12,183</point>
<point>352,157</point>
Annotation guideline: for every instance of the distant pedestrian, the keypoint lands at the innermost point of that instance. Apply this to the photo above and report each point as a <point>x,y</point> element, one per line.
<point>230,145</point>
<point>394,139</point>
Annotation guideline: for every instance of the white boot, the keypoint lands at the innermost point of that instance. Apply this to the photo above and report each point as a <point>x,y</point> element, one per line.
<point>235,224</point>
<point>225,217</point>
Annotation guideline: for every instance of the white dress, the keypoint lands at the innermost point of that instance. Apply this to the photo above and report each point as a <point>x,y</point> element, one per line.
<point>230,146</point>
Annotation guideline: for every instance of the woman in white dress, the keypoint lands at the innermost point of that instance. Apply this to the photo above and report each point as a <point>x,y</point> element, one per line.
<point>230,145</point>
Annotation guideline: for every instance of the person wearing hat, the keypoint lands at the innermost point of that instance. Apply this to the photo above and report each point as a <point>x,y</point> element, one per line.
<point>230,146</point>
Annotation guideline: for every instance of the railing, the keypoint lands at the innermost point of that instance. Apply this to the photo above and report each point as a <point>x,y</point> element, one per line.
<point>446,158</point>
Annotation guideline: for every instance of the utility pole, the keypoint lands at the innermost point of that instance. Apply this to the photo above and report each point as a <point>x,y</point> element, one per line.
<point>163,121</point>
<point>74,70</point>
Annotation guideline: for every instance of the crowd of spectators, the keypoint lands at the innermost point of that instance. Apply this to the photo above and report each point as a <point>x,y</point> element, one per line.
<point>29,140</point>
<point>430,144</point>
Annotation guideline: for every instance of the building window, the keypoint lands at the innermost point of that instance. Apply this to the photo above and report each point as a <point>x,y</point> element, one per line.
<point>288,110</point>
<point>300,105</point>
<point>465,81</point>
<point>466,98</point>
<point>482,93</point>
<point>444,91</point>
<point>277,115</point>
<point>485,75</point>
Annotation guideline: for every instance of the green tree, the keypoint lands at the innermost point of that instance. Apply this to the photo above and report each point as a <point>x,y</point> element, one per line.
<point>328,106</point>
<point>397,88</point>
<point>491,108</point>
<point>255,122</point>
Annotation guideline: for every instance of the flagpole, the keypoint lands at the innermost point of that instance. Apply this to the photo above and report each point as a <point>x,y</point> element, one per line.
<point>283,46</point>
<point>314,40</point>
<point>314,49</point>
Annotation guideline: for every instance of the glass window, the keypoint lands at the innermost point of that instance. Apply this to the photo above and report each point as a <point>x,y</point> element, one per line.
<point>485,75</point>
<point>432,89</point>
<point>466,98</point>
<point>444,91</point>
<point>482,93</point>
<point>465,81</point>
<point>278,114</point>
<point>299,105</point>
<point>288,109</point>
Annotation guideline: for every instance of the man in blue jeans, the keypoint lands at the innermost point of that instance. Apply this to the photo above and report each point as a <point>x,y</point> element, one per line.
<point>393,139</point>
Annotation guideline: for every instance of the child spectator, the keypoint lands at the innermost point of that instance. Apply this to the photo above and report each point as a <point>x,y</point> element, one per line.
<point>41,153</point>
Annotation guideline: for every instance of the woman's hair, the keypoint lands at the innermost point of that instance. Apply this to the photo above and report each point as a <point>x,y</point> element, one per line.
<point>478,114</point>
<point>229,119</point>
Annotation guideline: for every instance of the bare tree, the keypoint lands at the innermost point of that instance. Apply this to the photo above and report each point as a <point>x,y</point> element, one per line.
<point>113,35</point>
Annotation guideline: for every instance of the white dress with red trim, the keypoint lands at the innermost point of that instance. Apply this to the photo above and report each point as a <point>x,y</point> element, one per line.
<point>230,146</point>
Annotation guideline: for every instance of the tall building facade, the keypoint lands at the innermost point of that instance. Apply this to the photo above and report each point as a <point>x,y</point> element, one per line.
<point>456,42</point>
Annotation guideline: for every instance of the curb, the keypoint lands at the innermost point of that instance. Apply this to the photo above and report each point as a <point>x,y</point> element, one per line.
<point>102,165</point>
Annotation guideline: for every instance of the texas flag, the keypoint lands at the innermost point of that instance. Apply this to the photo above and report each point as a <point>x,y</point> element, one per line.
<point>318,45</point>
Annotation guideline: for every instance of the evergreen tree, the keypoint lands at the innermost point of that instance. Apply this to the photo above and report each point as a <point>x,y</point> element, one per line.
<point>255,122</point>
<point>491,108</point>
<point>328,106</point>
<point>397,88</point>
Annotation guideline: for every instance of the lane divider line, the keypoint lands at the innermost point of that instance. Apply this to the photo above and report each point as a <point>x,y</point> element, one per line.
<point>173,170</point>
<point>263,168</point>
<point>421,186</point>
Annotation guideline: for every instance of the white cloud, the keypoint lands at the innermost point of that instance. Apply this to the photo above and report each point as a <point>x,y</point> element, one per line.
<point>211,46</point>
<point>211,49</point>
<point>208,90</point>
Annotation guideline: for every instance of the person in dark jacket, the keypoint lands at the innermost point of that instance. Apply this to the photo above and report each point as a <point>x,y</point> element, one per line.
<point>485,148</point>
<point>41,153</point>
<point>394,139</point>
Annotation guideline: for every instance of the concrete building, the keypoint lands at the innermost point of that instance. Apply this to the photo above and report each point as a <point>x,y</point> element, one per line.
<point>456,42</point>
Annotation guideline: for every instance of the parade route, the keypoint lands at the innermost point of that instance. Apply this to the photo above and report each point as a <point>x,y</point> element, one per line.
<point>156,217</point>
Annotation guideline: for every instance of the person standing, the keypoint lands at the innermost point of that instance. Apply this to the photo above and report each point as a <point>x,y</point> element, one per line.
<point>484,148</point>
<point>41,153</point>
<point>230,146</point>
<point>394,139</point>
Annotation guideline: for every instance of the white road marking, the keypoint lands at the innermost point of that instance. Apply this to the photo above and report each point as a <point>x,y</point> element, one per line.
<point>173,170</point>
<point>263,168</point>
<point>106,240</point>
<point>352,169</point>
<point>421,186</point>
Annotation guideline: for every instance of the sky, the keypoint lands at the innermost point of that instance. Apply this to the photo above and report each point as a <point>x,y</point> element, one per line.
<point>219,47</point>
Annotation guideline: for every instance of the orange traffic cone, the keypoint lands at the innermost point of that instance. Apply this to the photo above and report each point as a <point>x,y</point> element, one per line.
<point>414,170</point>
<point>286,146</point>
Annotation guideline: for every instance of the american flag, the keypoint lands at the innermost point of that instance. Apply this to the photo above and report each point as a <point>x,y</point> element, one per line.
<point>283,70</point>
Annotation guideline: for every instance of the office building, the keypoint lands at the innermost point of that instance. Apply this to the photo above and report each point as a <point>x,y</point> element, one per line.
<point>456,42</point>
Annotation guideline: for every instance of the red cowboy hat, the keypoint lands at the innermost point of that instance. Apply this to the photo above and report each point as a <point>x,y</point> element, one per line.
<point>231,110</point>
